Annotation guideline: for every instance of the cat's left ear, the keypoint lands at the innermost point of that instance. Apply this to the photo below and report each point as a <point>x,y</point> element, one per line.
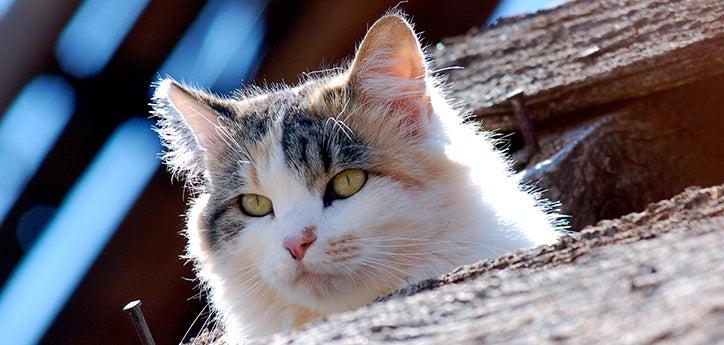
<point>189,123</point>
<point>389,67</point>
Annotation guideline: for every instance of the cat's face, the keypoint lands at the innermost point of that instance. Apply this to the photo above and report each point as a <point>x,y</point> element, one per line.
<point>325,206</point>
<point>325,194</point>
<point>314,243</point>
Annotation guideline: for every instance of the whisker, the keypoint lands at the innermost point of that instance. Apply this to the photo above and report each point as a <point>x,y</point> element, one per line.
<point>324,71</point>
<point>412,239</point>
<point>183,339</point>
<point>219,129</point>
<point>372,270</point>
<point>377,264</point>
<point>247,274</point>
<point>443,69</point>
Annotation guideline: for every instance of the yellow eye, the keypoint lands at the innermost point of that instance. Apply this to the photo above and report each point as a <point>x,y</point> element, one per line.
<point>349,182</point>
<point>255,205</point>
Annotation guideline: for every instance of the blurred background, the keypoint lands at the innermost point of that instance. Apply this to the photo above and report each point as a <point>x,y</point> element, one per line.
<point>89,220</point>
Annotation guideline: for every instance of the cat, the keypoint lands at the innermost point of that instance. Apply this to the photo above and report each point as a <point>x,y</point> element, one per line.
<point>318,198</point>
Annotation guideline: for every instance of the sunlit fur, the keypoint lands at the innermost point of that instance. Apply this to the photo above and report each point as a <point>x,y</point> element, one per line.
<point>438,196</point>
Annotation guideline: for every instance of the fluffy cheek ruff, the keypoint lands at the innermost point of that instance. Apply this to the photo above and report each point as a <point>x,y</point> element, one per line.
<point>243,302</point>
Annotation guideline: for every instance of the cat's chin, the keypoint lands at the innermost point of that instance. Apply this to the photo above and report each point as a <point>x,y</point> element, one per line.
<point>306,277</point>
<point>323,292</point>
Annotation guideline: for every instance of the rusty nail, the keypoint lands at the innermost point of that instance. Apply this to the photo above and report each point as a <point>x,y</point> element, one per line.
<point>520,109</point>
<point>133,309</point>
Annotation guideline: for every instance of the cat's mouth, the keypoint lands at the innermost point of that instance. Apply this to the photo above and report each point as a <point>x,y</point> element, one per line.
<point>304,275</point>
<point>317,289</point>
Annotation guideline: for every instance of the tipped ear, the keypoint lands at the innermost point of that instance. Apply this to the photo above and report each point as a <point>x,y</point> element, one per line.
<point>389,67</point>
<point>188,126</point>
<point>390,51</point>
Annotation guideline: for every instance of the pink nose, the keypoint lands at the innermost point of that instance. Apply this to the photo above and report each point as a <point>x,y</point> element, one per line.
<point>297,245</point>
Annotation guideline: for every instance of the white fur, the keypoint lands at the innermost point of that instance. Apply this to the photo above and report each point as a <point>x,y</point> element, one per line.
<point>490,215</point>
<point>401,235</point>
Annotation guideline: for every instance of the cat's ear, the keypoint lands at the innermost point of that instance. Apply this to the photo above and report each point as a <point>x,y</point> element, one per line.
<point>389,67</point>
<point>188,126</point>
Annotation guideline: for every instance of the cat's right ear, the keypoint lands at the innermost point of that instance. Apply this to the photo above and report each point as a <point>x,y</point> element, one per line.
<point>389,68</point>
<point>187,125</point>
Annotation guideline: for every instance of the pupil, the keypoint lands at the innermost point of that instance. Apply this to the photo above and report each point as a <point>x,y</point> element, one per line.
<point>348,182</point>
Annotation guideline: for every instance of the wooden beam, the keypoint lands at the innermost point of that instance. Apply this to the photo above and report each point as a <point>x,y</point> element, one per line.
<point>584,54</point>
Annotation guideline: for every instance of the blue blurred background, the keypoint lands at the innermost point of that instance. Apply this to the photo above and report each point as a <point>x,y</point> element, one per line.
<point>88,219</point>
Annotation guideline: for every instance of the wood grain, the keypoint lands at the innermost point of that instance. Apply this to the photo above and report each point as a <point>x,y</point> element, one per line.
<point>584,54</point>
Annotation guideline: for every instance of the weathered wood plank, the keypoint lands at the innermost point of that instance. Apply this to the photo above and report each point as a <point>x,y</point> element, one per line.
<point>583,54</point>
<point>623,157</point>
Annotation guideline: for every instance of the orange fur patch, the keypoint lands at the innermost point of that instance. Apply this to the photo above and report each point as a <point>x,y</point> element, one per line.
<point>396,153</point>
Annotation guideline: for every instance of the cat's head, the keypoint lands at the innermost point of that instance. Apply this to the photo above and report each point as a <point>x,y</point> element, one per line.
<point>331,192</point>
